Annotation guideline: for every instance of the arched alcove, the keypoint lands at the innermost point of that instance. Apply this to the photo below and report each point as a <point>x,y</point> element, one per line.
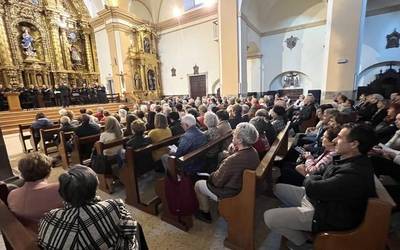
<point>291,80</point>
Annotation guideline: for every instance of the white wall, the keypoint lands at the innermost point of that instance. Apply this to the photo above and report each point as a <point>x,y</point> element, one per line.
<point>103,54</point>
<point>307,57</point>
<point>184,48</point>
<point>253,74</point>
<point>374,43</point>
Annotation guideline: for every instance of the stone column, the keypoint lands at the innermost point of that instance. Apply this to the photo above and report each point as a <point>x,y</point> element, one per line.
<point>344,27</point>
<point>228,47</point>
<point>55,40</point>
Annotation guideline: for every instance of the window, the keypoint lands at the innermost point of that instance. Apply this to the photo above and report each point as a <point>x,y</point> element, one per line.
<point>191,4</point>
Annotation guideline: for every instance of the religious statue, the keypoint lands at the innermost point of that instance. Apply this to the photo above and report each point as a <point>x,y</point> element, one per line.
<point>27,43</point>
<point>138,81</point>
<point>75,55</point>
<point>35,2</point>
<point>146,45</point>
<point>151,80</point>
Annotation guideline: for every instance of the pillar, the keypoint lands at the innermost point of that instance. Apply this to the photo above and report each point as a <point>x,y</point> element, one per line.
<point>65,49</point>
<point>228,47</point>
<point>5,51</point>
<point>345,20</point>
<point>54,36</point>
<point>88,50</point>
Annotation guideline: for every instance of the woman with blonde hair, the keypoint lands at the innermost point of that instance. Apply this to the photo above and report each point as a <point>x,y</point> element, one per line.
<point>112,132</point>
<point>159,133</point>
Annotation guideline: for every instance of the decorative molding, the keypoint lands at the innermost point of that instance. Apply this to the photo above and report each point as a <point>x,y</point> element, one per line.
<point>112,13</point>
<point>294,28</point>
<point>188,17</point>
<point>188,25</point>
<point>383,10</point>
<point>250,24</point>
<point>254,56</point>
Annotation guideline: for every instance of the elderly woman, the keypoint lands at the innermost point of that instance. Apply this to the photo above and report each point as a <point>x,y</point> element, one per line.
<point>85,222</point>
<point>226,181</point>
<point>262,145</point>
<point>139,139</point>
<point>294,174</point>
<point>129,120</point>
<point>65,124</point>
<point>36,197</point>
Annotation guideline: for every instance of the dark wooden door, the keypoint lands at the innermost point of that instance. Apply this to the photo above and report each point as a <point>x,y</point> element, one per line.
<point>198,86</point>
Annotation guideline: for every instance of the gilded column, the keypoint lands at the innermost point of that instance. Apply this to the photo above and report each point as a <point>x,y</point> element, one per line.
<point>55,40</point>
<point>5,51</point>
<point>65,49</point>
<point>88,49</point>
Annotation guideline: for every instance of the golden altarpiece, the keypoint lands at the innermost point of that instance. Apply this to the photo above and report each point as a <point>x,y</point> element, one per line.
<point>145,63</point>
<point>46,42</point>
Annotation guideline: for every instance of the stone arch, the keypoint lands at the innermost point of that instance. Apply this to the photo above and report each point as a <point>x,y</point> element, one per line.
<point>215,86</point>
<point>371,70</point>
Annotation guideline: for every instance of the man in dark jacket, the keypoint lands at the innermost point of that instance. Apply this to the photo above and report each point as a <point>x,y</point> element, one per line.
<point>175,126</point>
<point>335,198</point>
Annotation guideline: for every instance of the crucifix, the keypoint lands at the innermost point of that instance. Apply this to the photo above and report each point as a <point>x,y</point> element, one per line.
<point>122,80</point>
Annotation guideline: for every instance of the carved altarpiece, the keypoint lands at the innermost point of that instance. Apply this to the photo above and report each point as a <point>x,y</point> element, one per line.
<point>145,63</point>
<point>46,42</point>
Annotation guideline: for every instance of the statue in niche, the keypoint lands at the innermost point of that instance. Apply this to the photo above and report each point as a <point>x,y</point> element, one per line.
<point>151,80</point>
<point>35,2</point>
<point>393,40</point>
<point>76,55</point>
<point>146,45</point>
<point>27,43</point>
<point>138,81</point>
<point>291,80</point>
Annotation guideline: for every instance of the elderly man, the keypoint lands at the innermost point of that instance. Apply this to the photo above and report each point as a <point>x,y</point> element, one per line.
<point>334,198</point>
<point>191,140</point>
<point>366,112</point>
<point>226,181</point>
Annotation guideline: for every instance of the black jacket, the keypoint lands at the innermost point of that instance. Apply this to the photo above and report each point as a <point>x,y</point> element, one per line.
<point>176,128</point>
<point>340,193</point>
<point>87,129</point>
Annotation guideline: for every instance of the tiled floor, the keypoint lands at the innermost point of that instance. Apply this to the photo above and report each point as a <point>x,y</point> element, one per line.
<point>161,235</point>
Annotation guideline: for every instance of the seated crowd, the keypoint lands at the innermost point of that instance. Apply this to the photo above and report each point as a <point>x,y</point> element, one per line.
<point>326,178</point>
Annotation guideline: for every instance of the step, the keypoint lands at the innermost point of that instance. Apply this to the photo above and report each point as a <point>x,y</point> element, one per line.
<point>9,121</point>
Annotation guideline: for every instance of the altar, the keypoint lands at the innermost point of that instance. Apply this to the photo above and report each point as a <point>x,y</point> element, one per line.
<point>46,43</point>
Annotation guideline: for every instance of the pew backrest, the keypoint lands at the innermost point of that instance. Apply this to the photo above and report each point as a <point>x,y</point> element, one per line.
<point>370,235</point>
<point>47,137</point>
<point>24,136</point>
<point>63,148</point>
<point>278,147</point>
<point>15,234</point>
<point>82,148</point>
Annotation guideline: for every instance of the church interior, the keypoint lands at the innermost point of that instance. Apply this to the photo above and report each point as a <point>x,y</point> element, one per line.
<point>200,124</point>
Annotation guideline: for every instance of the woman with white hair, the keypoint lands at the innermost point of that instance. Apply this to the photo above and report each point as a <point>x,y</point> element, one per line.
<point>226,181</point>
<point>122,114</point>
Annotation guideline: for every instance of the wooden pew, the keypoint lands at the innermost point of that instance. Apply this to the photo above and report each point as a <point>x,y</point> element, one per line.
<point>371,234</point>
<point>15,235</point>
<point>34,141</point>
<point>182,222</point>
<point>47,139</point>
<point>62,148</point>
<point>100,147</point>
<point>79,144</point>
<point>241,225</point>
<point>23,128</point>
<point>131,172</point>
